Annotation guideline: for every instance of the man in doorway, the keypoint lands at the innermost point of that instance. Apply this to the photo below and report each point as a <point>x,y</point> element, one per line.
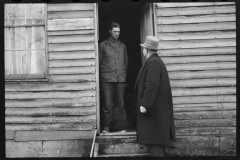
<point>113,61</point>
<point>155,123</point>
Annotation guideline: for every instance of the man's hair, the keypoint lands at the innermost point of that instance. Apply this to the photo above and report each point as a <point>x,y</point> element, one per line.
<point>114,24</point>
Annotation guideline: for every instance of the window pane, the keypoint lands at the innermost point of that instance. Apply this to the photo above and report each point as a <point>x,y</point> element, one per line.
<point>35,38</point>
<point>10,14</point>
<point>8,63</point>
<point>35,14</point>
<point>37,61</point>
<point>17,62</point>
<point>24,14</point>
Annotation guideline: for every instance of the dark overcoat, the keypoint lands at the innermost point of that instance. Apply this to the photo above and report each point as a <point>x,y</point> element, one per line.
<point>153,91</point>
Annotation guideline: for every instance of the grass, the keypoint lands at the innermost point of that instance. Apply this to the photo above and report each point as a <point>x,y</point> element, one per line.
<point>189,148</point>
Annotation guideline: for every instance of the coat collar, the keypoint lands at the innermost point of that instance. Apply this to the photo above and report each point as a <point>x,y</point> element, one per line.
<point>141,70</point>
<point>110,41</point>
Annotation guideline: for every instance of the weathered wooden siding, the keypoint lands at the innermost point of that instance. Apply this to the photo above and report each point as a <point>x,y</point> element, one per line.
<point>198,46</point>
<point>57,118</point>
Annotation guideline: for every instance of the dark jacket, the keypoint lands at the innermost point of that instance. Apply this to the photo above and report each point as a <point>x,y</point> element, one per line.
<point>153,91</point>
<point>113,61</point>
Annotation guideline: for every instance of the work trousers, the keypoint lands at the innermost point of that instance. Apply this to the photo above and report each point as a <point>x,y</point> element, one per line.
<point>112,105</point>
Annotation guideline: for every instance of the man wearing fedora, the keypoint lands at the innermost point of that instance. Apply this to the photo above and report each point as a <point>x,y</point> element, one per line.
<point>155,123</point>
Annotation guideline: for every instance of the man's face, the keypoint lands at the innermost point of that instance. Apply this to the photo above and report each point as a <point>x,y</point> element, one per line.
<point>115,32</point>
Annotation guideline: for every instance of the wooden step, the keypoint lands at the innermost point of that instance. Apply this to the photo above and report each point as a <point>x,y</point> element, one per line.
<point>96,153</point>
<point>126,155</point>
<point>118,134</point>
<point>120,144</point>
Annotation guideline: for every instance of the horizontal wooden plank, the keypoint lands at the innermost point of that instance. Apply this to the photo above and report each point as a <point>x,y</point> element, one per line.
<point>72,78</point>
<point>71,46</point>
<point>71,55</point>
<point>203,82</point>
<point>48,86</point>
<point>9,134</point>
<point>52,135</point>
<point>205,99</point>
<point>197,35</point>
<point>202,74</point>
<point>70,24</point>
<point>188,4</point>
<point>63,102</point>
<point>47,120</point>
<point>72,70</point>
<point>229,122</point>
<point>69,6</point>
<point>203,91</point>
<point>196,27</point>
<point>23,149</point>
<point>66,148</point>
<point>205,115</point>
<point>228,42</point>
<point>200,131</point>
<point>72,63</point>
<point>204,107</point>
<point>197,19</point>
<point>52,127</point>
<point>199,59</point>
<point>195,10</point>
<point>70,14</point>
<point>197,51</point>
<point>38,112</point>
<point>73,32</point>
<point>71,38</point>
<point>25,76</point>
<point>47,95</point>
<point>201,66</point>
<point>119,155</point>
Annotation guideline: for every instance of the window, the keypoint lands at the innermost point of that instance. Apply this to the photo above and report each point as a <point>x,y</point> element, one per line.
<point>24,41</point>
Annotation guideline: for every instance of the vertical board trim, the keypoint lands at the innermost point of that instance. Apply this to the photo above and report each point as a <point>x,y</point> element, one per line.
<point>97,66</point>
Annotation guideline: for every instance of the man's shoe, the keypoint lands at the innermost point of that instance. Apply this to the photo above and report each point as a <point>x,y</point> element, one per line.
<point>105,130</point>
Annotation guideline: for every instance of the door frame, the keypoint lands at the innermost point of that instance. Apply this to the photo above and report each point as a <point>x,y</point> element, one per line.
<point>96,37</point>
<point>147,12</point>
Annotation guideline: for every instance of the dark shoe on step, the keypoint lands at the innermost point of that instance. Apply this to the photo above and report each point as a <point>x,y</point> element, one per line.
<point>105,130</point>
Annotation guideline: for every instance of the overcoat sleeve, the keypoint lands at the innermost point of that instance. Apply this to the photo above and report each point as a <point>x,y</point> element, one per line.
<point>151,88</point>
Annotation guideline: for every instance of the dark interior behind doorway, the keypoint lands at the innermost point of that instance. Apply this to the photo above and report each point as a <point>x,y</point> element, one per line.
<point>127,14</point>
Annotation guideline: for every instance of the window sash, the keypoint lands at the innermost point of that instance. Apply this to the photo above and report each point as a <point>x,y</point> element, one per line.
<point>25,76</point>
<point>25,43</point>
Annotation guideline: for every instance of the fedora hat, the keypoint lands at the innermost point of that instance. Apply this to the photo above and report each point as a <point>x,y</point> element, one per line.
<point>151,42</point>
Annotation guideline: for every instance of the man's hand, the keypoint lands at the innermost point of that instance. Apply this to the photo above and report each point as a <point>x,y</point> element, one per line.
<point>143,110</point>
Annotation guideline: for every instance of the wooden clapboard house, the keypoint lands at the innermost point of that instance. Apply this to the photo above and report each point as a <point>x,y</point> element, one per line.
<point>52,104</point>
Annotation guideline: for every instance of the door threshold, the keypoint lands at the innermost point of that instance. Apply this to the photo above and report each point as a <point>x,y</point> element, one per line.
<point>132,133</point>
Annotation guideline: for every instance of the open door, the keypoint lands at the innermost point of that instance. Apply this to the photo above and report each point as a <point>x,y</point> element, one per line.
<point>128,16</point>
<point>146,24</point>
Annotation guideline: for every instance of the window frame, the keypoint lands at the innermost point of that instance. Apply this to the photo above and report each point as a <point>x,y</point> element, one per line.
<point>32,77</point>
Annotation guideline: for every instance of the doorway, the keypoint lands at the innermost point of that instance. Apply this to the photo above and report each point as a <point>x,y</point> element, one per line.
<point>127,14</point>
